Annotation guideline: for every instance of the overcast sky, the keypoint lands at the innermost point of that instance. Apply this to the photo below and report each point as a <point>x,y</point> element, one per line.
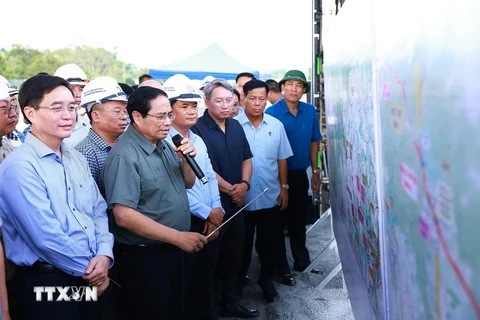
<point>261,34</point>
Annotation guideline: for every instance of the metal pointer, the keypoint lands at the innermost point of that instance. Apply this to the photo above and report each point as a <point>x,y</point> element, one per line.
<point>241,209</point>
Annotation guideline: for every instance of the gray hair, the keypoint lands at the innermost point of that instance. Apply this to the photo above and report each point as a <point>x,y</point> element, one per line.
<point>217,83</point>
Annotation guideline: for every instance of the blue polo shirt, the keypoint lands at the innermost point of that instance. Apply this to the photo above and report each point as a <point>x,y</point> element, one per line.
<point>301,131</point>
<point>227,151</point>
<point>269,143</point>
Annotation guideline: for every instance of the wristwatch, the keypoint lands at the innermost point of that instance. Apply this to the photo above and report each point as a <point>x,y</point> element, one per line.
<point>285,186</point>
<point>246,182</point>
<point>316,171</point>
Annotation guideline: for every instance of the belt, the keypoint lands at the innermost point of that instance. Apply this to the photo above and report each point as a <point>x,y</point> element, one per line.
<point>297,171</point>
<point>163,246</point>
<point>42,267</point>
<point>157,246</point>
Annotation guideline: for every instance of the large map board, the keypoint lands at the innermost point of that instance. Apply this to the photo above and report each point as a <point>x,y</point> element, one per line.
<point>403,112</point>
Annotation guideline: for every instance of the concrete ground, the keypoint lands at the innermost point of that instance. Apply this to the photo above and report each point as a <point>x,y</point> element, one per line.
<point>304,300</point>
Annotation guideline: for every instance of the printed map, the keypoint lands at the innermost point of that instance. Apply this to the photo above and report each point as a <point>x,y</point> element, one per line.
<point>407,217</point>
<point>351,150</point>
<point>428,100</point>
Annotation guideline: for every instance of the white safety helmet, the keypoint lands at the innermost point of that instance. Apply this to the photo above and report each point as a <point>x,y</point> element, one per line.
<point>11,89</point>
<point>101,90</point>
<point>206,81</point>
<point>180,87</point>
<point>4,94</point>
<point>73,74</point>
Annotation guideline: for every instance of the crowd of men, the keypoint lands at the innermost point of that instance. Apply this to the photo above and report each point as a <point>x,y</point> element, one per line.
<point>100,201</point>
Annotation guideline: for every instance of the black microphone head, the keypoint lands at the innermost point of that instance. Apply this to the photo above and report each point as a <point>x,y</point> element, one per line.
<point>177,140</point>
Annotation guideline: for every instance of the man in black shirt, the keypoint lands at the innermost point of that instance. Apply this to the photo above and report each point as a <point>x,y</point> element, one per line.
<point>231,160</point>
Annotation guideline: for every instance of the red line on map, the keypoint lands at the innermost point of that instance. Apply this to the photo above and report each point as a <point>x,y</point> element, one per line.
<point>453,264</point>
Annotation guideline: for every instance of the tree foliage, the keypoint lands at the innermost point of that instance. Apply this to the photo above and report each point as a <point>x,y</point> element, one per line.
<point>24,62</point>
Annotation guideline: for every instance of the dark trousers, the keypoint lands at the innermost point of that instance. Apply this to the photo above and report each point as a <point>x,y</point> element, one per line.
<point>30,277</point>
<point>14,303</point>
<point>295,217</point>
<point>267,223</point>
<point>230,255</point>
<point>200,296</point>
<point>152,280</point>
<point>112,308</point>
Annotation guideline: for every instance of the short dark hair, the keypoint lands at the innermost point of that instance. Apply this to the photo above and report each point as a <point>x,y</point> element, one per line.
<point>244,74</point>
<point>237,94</point>
<point>126,88</point>
<point>143,77</point>
<point>273,85</point>
<point>254,84</point>
<point>140,100</point>
<point>34,89</point>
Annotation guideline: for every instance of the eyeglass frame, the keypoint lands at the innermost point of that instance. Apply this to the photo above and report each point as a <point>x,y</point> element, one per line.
<point>118,113</point>
<point>170,115</point>
<point>11,106</point>
<point>221,102</point>
<point>62,108</point>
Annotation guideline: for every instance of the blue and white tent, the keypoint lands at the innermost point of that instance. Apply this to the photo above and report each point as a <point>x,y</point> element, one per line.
<point>211,61</point>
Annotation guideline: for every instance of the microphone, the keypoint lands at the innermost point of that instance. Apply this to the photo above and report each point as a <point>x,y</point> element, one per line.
<point>177,141</point>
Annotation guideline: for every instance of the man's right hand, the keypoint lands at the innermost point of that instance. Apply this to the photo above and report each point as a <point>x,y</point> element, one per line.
<point>214,220</point>
<point>191,241</point>
<point>101,288</point>
<point>208,228</point>
<point>216,216</point>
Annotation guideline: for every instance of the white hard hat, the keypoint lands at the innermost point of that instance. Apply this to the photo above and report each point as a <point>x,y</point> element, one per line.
<point>206,81</point>
<point>73,74</point>
<point>180,87</point>
<point>4,94</point>
<point>101,90</point>
<point>11,89</point>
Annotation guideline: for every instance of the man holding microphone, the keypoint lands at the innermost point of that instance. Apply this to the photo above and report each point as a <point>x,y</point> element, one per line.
<point>145,185</point>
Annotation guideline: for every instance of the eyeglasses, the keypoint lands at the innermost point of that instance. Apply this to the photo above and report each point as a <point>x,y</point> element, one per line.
<point>118,113</point>
<point>161,118</point>
<point>221,102</point>
<point>6,109</point>
<point>13,106</point>
<point>71,108</point>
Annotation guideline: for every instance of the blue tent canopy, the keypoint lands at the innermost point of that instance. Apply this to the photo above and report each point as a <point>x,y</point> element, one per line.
<point>211,61</point>
<point>195,75</point>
